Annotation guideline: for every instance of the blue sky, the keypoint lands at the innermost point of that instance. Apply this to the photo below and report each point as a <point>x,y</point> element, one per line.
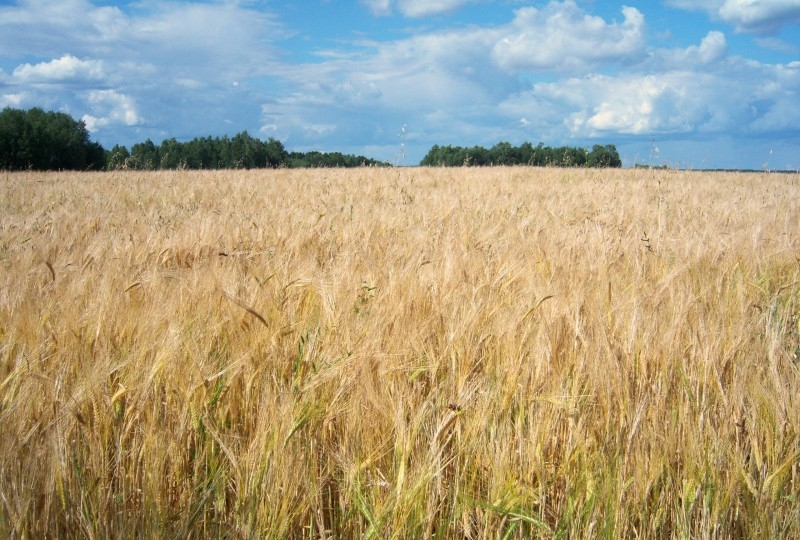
<point>698,84</point>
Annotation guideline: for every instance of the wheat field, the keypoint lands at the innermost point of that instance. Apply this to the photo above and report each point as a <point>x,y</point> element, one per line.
<point>400,353</point>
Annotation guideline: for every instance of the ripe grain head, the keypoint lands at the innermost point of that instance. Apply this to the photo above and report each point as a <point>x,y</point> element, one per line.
<point>448,351</point>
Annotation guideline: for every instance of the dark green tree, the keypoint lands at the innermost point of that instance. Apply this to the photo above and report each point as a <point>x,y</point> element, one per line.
<point>247,151</point>
<point>275,153</point>
<point>505,153</point>
<point>39,140</point>
<point>117,158</point>
<point>604,156</point>
<point>144,156</point>
<point>170,154</point>
<point>243,151</point>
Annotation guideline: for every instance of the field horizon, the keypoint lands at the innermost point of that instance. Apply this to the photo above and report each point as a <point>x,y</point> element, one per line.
<point>405,352</point>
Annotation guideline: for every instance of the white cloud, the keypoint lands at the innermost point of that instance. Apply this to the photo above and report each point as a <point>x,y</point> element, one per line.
<point>112,108</point>
<point>553,73</point>
<point>86,28</point>
<point>168,59</point>
<point>760,16</point>
<point>422,72</point>
<point>182,38</point>
<point>711,50</point>
<point>466,69</point>
<point>455,88</point>
<point>11,100</point>
<point>753,16</point>
<point>379,7</point>
<point>93,123</point>
<point>563,37</point>
<point>65,69</point>
<point>667,103</point>
<point>740,97</point>
<point>775,100</point>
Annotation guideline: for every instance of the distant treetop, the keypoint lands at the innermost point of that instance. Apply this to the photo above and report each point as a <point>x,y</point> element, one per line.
<point>504,153</point>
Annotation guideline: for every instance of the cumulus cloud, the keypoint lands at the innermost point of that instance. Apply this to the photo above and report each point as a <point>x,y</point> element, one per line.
<point>563,37</point>
<point>453,83</point>
<point>65,69</point>
<point>112,108</point>
<point>669,103</point>
<point>553,72</point>
<point>712,49</point>
<point>762,17</point>
<point>164,61</point>
<point>774,105</point>
<point>88,29</point>
<point>741,97</point>
<point>11,100</point>
<point>180,36</point>
<point>422,72</point>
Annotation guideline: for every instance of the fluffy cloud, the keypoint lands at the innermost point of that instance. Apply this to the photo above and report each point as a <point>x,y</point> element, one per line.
<point>163,61</point>
<point>738,97</point>
<point>467,68</point>
<point>11,100</point>
<point>754,16</point>
<point>553,73</point>
<point>762,17</point>
<point>198,37</point>
<point>711,50</point>
<point>423,71</point>
<point>563,37</point>
<point>450,85</point>
<point>114,108</point>
<point>88,29</point>
<point>65,69</point>
<point>678,102</point>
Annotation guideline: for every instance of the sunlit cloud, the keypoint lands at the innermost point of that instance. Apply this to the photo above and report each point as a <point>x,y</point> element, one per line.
<point>60,70</point>
<point>556,71</point>
<point>562,37</point>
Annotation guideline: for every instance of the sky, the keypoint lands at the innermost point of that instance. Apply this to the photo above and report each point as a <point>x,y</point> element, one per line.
<point>682,83</point>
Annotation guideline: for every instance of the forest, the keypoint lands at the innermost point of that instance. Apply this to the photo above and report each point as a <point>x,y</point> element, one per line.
<point>44,141</point>
<point>505,153</point>
<point>37,140</point>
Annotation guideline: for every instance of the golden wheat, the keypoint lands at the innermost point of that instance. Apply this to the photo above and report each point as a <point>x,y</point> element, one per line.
<point>400,353</point>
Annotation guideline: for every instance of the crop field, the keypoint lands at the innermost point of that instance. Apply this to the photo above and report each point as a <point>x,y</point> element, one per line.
<point>400,353</point>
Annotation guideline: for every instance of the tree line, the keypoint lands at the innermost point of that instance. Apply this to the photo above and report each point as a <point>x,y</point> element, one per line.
<point>37,140</point>
<point>242,151</point>
<point>505,153</point>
